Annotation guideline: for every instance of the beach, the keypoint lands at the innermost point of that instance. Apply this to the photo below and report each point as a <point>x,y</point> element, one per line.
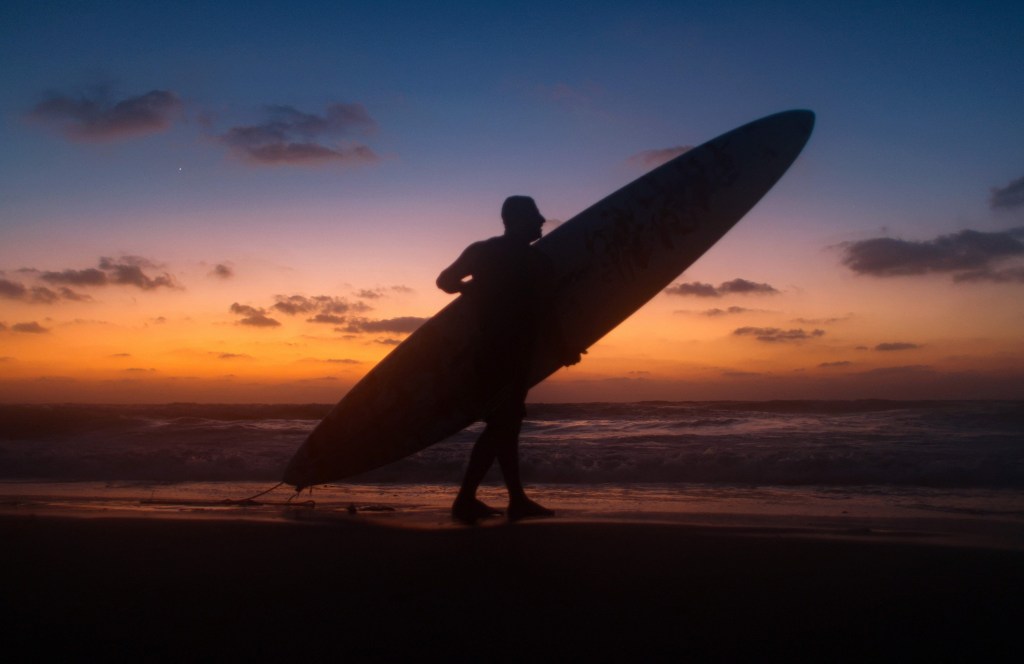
<point>687,531</point>
<point>375,587</point>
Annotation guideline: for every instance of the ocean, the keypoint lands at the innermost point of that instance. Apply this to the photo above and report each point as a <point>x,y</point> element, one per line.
<point>781,459</point>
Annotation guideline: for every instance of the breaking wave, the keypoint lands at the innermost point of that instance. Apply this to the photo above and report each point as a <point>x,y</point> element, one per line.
<point>830,443</point>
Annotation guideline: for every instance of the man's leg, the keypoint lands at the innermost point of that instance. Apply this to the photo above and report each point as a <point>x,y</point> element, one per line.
<point>467,508</point>
<point>507,428</point>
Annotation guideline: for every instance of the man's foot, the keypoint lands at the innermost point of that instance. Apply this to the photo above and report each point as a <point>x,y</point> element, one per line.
<point>471,510</point>
<point>524,508</point>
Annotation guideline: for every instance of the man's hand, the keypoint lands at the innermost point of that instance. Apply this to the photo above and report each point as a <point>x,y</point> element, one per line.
<point>569,358</point>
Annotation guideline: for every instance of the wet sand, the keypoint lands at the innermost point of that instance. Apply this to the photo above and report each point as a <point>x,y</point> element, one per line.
<point>368,590</point>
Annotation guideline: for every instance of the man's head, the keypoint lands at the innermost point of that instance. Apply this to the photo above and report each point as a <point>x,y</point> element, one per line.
<point>521,217</point>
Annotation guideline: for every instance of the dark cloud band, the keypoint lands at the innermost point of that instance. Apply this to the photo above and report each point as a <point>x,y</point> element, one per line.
<point>966,251</point>
<point>732,287</point>
<point>292,137</point>
<point>1008,197</point>
<point>94,117</point>
<point>775,335</point>
<point>400,325</point>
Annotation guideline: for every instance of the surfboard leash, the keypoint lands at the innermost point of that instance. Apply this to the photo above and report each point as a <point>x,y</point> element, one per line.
<point>252,499</point>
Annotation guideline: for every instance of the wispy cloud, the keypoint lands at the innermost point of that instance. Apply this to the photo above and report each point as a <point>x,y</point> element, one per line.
<point>291,137</point>
<point>30,328</point>
<point>95,116</point>
<point>834,365</point>
<point>972,254</point>
<point>327,319</point>
<point>821,321</point>
<point>1011,275</point>
<point>1010,196</point>
<point>294,305</point>
<point>716,312</point>
<point>400,325</point>
<point>775,335</point>
<point>897,346</point>
<point>222,271</point>
<point>731,287</point>
<point>652,158</point>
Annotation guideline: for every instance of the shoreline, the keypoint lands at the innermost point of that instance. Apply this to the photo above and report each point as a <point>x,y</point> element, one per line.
<point>363,590</point>
<point>948,520</point>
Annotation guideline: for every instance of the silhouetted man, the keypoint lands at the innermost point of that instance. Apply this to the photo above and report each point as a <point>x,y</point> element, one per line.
<point>509,282</point>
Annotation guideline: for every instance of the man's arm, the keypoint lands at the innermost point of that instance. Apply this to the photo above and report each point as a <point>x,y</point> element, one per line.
<point>453,278</point>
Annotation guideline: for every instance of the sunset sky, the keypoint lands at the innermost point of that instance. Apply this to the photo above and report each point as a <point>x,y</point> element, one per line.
<point>251,201</point>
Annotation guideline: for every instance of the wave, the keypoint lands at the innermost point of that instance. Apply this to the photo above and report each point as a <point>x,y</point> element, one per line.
<point>927,444</point>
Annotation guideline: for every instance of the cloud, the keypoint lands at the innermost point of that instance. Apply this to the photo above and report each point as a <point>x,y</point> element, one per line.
<point>2,327</point>
<point>294,305</point>
<point>29,328</point>
<point>120,355</point>
<point>830,365</point>
<point>128,271</point>
<point>1014,275</point>
<point>233,356</point>
<point>87,277</point>
<point>330,319</point>
<point>742,286</point>
<point>124,271</point>
<point>343,360</point>
<point>68,294</point>
<point>967,250</point>
<point>774,334</point>
<point>693,288</point>
<point>732,287</point>
<point>820,321</point>
<point>400,325</point>
<point>368,294</point>
<point>652,158</point>
<point>14,290</point>
<point>1010,196</point>
<point>292,137</point>
<point>96,117</point>
<point>896,345</point>
<point>713,313</point>
<point>388,341</point>
<point>222,271</point>
<point>253,316</point>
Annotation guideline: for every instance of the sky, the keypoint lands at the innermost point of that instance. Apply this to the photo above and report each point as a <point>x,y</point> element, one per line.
<point>250,202</point>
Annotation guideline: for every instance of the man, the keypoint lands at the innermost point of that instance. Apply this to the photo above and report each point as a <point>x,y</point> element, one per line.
<point>509,282</point>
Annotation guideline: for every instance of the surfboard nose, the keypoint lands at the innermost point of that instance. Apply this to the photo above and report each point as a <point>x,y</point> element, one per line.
<point>804,120</point>
<point>784,134</point>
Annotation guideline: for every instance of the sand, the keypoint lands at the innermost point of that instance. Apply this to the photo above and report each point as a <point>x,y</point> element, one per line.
<point>369,590</point>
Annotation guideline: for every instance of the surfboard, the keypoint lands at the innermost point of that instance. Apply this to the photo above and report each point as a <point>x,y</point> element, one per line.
<point>609,260</point>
